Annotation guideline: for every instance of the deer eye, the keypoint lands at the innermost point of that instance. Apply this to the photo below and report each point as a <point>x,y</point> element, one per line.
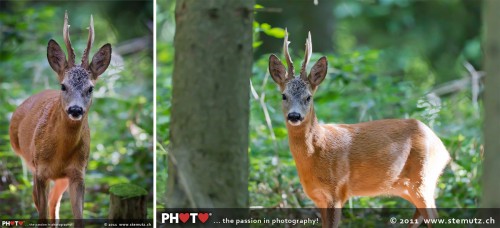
<point>284,97</point>
<point>308,98</point>
<point>91,89</point>
<point>63,87</point>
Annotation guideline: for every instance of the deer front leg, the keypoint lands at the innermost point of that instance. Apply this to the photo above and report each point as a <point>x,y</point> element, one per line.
<point>40,195</point>
<point>330,214</point>
<point>329,206</point>
<point>76,193</point>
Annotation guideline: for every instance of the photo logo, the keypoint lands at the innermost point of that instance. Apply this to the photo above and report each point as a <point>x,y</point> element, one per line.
<point>185,217</point>
<point>12,223</point>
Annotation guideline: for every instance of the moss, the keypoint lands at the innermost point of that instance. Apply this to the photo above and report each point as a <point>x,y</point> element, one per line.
<point>127,190</point>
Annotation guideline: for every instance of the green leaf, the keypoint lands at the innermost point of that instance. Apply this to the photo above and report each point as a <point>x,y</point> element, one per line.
<point>275,32</point>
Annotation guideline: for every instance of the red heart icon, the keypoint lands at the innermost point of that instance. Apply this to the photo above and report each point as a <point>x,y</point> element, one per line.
<point>184,217</point>
<point>20,222</point>
<point>12,223</point>
<point>203,217</point>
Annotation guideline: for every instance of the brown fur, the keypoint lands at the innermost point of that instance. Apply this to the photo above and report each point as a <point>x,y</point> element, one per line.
<point>384,157</point>
<point>52,145</point>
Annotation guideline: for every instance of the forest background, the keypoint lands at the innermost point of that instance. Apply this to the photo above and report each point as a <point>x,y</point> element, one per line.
<point>387,59</point>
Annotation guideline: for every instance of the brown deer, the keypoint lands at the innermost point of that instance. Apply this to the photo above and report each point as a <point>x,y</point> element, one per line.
<point>398,157</point>
<point>50,130</point>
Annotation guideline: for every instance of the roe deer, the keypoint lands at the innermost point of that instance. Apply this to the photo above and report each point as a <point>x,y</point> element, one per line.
<point>50,130</point>
<point>399,157</point>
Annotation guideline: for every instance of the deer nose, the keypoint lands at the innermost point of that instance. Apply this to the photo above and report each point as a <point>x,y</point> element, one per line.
<point>75,111</point>
<point>293,116</point>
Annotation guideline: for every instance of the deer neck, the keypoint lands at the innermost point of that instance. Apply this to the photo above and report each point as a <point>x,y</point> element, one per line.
<point>302,138</point>
<point>69,131</point>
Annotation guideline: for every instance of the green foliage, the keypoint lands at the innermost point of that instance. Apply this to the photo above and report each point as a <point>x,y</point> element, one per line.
<point>438,35</point>
<point>268,30</point>
<point>165,56</point>
<point>120,118</point>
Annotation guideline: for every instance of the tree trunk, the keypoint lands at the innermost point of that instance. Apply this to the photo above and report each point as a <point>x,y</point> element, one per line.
<point>208,157</point>
<point>491,167</point>
<point>127,201</point>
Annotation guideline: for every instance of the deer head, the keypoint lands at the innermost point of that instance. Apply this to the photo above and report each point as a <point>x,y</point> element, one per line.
<point>297,92</point>
<point>77,81</point>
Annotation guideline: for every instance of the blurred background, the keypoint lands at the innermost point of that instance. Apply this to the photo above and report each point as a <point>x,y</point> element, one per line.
<point>121,117</point>
<point>165,29</point>
<point>387,59</point>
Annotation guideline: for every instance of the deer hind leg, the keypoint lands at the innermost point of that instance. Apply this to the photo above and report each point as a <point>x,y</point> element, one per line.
<point>55,195</point>
<point>416,216</point>
<point>423,199</point>
<point>330,208</point>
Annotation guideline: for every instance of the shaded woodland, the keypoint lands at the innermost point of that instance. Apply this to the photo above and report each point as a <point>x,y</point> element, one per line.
<point>387,59</point>
<point>121,117</point>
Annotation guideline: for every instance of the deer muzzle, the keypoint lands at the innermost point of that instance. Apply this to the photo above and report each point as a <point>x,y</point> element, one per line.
<point>294,118</point>
<point>75,112</point>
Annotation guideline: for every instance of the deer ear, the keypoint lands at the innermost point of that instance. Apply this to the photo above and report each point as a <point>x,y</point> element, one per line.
<point>277,70</point>
<point>100,61</point>
<point>56,58</point>
<point>318,72</point>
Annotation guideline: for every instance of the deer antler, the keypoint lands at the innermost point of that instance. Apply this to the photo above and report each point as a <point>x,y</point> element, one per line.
<point>307,57</point>
<point>67,41</point>
<point>90,41</point>
<point>289,63</point>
